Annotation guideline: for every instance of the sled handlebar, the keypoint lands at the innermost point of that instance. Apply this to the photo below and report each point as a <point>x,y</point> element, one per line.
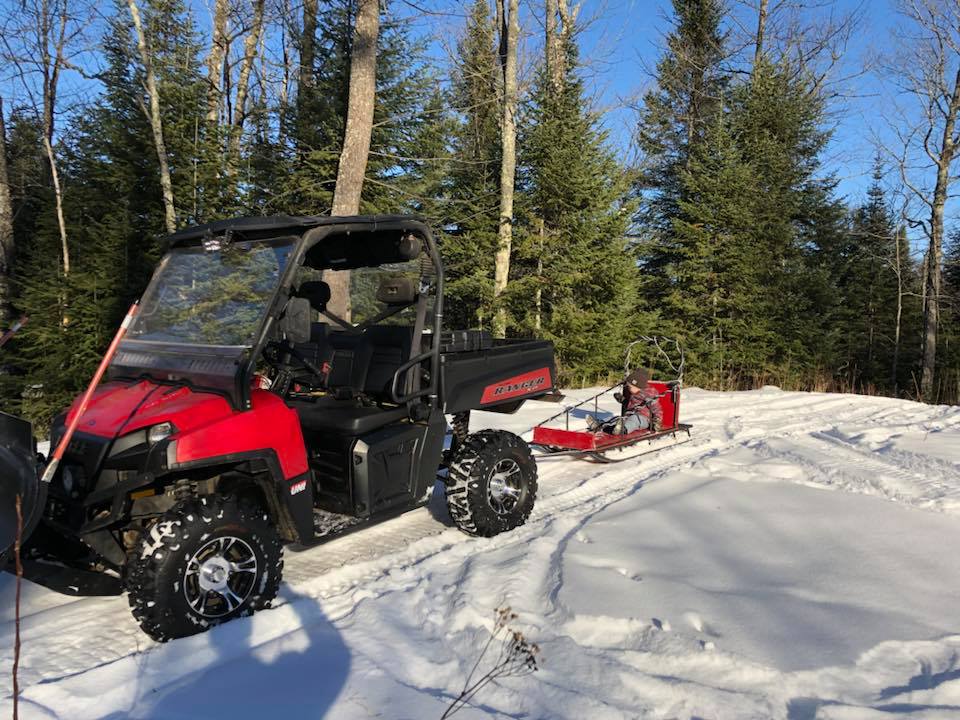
<point>51,468</point>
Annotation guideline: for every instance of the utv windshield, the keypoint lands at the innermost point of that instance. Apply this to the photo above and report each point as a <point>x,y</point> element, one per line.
<point>211,296</point>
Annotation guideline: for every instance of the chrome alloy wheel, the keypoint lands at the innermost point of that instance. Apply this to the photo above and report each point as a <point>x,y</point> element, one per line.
<point>220,576</point>
<point>504,486</point>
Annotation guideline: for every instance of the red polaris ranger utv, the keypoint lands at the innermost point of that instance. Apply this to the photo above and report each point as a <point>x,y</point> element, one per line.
<point>239,412</point>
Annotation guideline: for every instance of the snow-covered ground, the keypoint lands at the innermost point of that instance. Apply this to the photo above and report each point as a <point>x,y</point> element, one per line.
<point>796,559</point>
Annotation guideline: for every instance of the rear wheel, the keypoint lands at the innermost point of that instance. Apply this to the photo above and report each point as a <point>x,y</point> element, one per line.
<point>492,483</point>
<point>202,563</point>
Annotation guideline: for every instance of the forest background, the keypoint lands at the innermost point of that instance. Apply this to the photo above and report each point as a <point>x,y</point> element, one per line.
<point>768,181</point>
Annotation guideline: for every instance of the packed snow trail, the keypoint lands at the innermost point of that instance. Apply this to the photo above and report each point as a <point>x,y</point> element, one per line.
<point>709,578</point>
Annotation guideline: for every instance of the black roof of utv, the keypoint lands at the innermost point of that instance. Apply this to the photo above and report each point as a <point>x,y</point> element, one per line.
<point>256,227</point>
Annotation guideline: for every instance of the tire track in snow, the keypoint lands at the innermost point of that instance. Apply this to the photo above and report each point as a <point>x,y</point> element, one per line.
<point>830,461</point>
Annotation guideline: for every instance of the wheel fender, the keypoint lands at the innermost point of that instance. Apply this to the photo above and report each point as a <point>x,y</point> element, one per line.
<point>289,501</point>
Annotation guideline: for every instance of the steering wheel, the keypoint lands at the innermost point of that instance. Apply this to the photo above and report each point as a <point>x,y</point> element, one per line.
<point>274,351</point>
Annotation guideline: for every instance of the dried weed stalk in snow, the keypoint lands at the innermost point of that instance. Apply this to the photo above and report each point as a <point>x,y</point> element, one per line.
<point>16,609</point>
<point>517,657</point>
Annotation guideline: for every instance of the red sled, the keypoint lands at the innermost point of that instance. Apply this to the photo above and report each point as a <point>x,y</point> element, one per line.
<point>606,447</point>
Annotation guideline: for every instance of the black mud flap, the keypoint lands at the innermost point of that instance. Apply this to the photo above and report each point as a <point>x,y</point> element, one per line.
<point>18,476</point>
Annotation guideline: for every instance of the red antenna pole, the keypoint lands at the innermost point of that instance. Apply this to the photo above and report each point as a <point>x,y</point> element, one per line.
<point>85,400</point>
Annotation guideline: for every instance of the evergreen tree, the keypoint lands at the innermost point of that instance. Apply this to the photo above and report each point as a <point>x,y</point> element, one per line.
<point>674,120</point>
<point>950,357</point>
<point>573,257</point>
<point>716,299</point>
<point>469,241</point>
<point>748,285</point>
<point>867,283</point>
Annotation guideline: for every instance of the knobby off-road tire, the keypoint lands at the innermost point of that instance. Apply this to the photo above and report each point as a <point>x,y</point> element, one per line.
<point>492,483</point>
<point>204,562</point>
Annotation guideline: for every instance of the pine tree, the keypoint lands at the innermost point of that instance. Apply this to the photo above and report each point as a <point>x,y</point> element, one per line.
<point>778,123</point>
<point>674,120</point>
<point>868,285</point>
<point>469,240</point>
<point>715,301</point>
<point>950,357</point>
<point>748,287</point>
<point>574,255</point>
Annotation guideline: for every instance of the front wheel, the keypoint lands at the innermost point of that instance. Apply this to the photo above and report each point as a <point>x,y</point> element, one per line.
<point>204,562</point>
<point>492,483</point>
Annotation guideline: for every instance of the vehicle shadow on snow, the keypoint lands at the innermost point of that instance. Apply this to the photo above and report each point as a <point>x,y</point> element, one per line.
<point>299,673</point>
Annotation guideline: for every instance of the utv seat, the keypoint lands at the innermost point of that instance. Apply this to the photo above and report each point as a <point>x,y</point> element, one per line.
<point>344,417</point>
<point>389,347</point>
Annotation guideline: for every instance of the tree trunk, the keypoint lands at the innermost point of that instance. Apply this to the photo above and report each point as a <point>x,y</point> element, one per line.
<point>567,18</point>
<point>284,94</point>
<point>58,198</point>
<point>308,54</point>
<point>538,293</point>
<point>218,52</point>
<point>243,82</point>
<point>356,140</point>
<point>156,122</point>
<point>761,30</point>
<point>898,267</point>
<point>552,47</point>
<point>933,283</point>
<point>51,80</point>
<point>510,33</point>
<point>6,226</point>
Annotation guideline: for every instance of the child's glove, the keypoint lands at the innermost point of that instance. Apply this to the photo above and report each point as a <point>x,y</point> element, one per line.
<point>618,396</point>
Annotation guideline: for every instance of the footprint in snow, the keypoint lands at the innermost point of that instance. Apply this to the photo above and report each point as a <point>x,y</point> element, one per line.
<point>629,575</point>
<point>733,427</point>
<point>583,537</point>
<point>697,622</point>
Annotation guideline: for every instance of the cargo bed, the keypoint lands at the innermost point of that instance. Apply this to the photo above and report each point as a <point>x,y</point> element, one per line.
<point>478,372</point>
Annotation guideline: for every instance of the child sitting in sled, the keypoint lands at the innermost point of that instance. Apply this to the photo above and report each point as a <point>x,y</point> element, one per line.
<point>639,408</point>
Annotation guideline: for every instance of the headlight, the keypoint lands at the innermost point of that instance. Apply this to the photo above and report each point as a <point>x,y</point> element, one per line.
<point>160,432</point>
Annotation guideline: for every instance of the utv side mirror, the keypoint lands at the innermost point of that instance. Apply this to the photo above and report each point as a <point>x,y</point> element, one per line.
<point>295,323</point>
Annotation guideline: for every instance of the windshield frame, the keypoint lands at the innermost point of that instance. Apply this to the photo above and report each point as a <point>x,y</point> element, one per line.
<point>222,369</point>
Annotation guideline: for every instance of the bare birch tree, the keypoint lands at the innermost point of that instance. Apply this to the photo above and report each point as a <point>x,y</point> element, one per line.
<point>560,18</point>
<point>250,45</point>
<point>6,225</point>
<point>509,24</point>
<point>356,141</point>
<point>308,55</point>
<point>809,36</point>
<point>215,61</point>
<point>156,121</point>
<point>927,73</point>
<point>36,39</point>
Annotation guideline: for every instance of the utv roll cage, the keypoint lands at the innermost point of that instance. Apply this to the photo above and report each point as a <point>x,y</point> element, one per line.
<point>319,243</point>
